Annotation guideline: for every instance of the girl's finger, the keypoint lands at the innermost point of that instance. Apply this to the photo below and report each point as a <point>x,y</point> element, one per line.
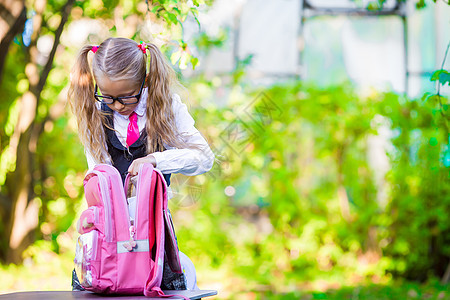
<point>131,169</point>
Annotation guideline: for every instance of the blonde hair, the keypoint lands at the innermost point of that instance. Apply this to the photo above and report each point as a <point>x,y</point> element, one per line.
<point>122,59</point>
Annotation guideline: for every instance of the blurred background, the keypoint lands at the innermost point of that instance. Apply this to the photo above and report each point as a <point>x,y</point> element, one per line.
<point>330,124</point>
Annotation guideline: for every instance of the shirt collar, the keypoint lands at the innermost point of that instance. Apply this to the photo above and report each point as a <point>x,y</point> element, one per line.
<point>142,105</point>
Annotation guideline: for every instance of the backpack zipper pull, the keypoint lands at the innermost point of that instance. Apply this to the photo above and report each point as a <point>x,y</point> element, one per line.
<point>131,243</point>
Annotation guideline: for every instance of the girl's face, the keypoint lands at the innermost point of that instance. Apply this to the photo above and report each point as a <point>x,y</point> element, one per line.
<point>119,88</point>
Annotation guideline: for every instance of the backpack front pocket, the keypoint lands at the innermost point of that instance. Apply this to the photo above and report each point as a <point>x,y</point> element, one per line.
<point>85,255</point>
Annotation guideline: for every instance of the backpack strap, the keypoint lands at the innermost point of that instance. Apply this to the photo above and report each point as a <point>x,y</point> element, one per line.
<point>155,192</point>
<point>171,244</point>
<point>157,292</point>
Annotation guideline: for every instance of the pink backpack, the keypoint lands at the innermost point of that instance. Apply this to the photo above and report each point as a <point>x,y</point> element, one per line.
<point>116,254</point>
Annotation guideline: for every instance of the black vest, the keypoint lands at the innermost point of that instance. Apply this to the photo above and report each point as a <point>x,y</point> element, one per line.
<point>121,157</point>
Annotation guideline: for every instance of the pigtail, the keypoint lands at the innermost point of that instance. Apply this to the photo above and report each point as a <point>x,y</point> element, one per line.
<point>81,98</point>
<point>160,117</point>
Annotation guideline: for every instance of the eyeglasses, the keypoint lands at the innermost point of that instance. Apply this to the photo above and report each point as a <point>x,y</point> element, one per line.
<point>125,100</point>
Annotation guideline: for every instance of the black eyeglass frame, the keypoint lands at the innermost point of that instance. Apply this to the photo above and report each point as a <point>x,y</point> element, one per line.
<point>119,99</point>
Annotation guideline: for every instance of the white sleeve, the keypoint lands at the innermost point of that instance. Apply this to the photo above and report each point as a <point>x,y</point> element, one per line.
<point>185,161</point>
<point>90,160</point>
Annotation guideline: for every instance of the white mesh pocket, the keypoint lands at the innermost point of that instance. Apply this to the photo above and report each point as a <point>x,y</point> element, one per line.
<point>85,253</point>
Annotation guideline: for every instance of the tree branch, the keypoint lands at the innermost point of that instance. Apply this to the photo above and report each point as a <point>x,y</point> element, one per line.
<point>6,15</point>
<point>8,38</point>
<point>48,66</point>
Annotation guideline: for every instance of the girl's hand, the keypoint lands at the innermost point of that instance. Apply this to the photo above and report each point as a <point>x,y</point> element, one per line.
<point>134,167</point>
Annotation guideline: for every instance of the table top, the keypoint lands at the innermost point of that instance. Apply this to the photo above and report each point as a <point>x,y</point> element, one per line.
<point>54,295</point>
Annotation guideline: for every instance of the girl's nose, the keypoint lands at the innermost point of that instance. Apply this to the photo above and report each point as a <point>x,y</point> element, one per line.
<point>118,105</point>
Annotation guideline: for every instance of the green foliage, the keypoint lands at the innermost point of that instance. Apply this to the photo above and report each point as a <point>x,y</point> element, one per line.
<point>205,43</point>
<point>440,108</point>
<point>16,80</point>
<point>307,204</point>
<point>420,188</point>
<point>43,269</point>
<point>168,14</point>
<point>432,290</point>
<point>379,4</point>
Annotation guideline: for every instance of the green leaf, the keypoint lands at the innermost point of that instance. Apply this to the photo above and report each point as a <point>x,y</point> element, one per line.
<point>426,96</point>
<point>194,62</point>
<point>421,4</point>
<point>445,107</point>
<point>172,17</point>
<point>194,13</point>
<point>442,76</point>
<point>434,98</point>
<point>375,5</point>
<point>155,8</point>
<point>433,141</point>
<point>198,2</point>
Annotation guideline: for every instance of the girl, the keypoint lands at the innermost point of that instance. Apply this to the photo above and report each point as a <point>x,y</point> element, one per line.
<point>130,117</point>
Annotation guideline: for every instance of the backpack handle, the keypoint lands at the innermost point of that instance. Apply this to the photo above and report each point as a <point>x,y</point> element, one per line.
<point>127,183</point>
<point>130,181</point>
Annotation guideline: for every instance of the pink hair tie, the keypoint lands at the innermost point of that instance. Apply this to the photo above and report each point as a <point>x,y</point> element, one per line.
<point>143,47</point>
<point>94,48</point>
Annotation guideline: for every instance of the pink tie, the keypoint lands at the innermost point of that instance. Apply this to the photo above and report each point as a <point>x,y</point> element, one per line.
<point>133,129</point>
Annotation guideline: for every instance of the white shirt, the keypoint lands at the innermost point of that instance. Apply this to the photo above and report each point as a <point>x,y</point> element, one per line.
<point>185,161</point>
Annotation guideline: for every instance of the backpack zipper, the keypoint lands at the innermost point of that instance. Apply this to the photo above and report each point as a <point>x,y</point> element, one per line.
<point>103,188</point>
<point>132,224</point>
